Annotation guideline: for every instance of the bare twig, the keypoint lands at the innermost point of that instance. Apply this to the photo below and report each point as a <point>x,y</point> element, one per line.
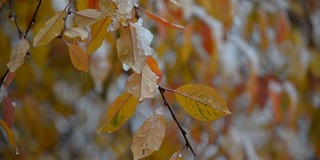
<point>183,132</point>
<point>13,16</point>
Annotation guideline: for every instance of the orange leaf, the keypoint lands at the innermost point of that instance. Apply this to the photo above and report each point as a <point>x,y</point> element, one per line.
<point>10,133</point>
<point>78,57</point>
<point>152,63</point>
<point>163,21</point>
<point>84,4</point>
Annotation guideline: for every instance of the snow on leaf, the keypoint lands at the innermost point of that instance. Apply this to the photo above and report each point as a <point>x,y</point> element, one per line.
<point>149,136</point>
<point>163,21</point>
<point>201,102</point>
<point>87,17</point>
<point>78,57</point>
<point>124,9</point>
<point>51,30</point>
<point>108,8</point>
<point>17,55</point>
<point>10,133</point>
<point>152,63</point>
<point>176,156</point>
<point>8,111</point>
<point>142,85</point>
<point>98,33</point>
<point>134,45</point>
<point>119,112</point>
<point>76,32</point>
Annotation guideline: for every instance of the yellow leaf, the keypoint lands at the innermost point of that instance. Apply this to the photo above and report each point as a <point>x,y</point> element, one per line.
<point>87,17</point>
<point>201,102</point>
<point>17,55</point>
<point>134,45</point>
<point>108,8</point>
<point>119,112</point>
<point>51,30</point>
<point>143,85</point>
<point>149,136</point>
<point>10,133</point>
<point>83,4</point>
<point>76,32</point>
<point>98,33</point>
<point>78,57</point>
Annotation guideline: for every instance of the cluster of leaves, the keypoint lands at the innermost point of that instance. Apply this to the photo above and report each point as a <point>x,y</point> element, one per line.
<point>90,25</point>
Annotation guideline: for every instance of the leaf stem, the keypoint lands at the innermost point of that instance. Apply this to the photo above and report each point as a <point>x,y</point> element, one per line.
<point>183,132</point>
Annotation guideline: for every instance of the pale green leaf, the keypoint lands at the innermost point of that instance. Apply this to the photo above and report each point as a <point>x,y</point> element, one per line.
<point>149,136</point>
<point>201,102</point>
<point>51,30</point>
<point>119,112</point>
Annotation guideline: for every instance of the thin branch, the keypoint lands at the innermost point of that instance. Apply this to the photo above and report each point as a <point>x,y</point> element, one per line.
<point>13,16</point>
<point>183,132</point>
<point>33,20</point>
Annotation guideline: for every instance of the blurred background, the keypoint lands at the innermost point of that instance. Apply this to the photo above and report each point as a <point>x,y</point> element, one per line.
<point>262,56</point>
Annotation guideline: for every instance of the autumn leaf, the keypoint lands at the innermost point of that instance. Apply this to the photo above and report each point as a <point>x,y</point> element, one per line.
<point>108,8</point>
<point>152,63</point>
<point>119,112</point>
<point>201,102</point>
<point>17,55</point>
<point>76,32</point>
<point>149,136</point>
<point>142,85</point>
<point>162,21</point>
<point>10,134</point>
<point>84,4</point>
<point>87,17</point>
<point>51,30</point>
<point>98,33</point>
<point>78,57</point>
<point>134,45</point>
<point>8,111</point>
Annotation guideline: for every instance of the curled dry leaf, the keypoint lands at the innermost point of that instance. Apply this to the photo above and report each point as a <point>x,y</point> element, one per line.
<point>134,45</point>
<point>17,55</point>
<point>51,30</point>
<point>98,33</point>
<point>78,57</point>
<point>143,85</point>
<point>163,21</point>
<point>149,136</point>
<point>76,32</point>
<point>202,102</point>
<point>152,63</point>
<point>119,112</point>
<point>87,17</point>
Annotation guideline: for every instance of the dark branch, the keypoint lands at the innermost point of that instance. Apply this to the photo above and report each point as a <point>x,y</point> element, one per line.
<point>184,133</point>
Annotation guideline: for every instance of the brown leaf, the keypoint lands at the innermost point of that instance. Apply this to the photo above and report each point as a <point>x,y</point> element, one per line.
<point>143,85</point>
<point>78,57</point>
<point>134,45</point>
<point>51,30</point>
<point>17,55</point>
<point>8,111</point>
<point>149,136</point>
